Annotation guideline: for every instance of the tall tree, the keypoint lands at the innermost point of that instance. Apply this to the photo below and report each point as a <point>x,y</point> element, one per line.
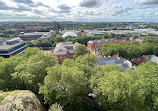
<point>81,50</point>
<point>64,85</point>
<point>31,73</point>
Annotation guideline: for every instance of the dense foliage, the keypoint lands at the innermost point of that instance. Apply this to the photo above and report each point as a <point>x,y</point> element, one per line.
<point>9,34</point>
<point>132,90</point>
<point>129,51</point>
<point>70,84</point>
<point>80,50</point>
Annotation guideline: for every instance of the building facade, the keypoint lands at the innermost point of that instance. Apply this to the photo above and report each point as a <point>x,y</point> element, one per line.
<point>36,35</point>
<point>64,50</point>
<point>12,47</point>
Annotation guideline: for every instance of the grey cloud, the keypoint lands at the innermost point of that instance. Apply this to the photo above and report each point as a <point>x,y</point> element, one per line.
<point>30,3</point>
<point>38,4</point>
<point>89,12</point>
<point>92,13</point>
<point>119,9</point>
<point>90,3</point>
<point>64,7</point>
<point>41,4</point>
<point>148,2</point>
<point>23,1</point>
<point>3,6</point>
<point>20,8</point>
<point>38,11</point>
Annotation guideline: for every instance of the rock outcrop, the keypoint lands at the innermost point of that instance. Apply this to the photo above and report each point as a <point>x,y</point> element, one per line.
<point>19,100</point>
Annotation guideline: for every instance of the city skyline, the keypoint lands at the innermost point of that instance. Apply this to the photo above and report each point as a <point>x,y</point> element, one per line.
<point>79,10</point>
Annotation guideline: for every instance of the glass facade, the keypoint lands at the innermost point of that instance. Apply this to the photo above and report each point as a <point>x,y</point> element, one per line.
<point>17,50</point>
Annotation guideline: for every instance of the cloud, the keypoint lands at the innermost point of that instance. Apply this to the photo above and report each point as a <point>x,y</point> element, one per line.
<point>19,8</point>
<point>90,3</point>
<point>4,6</point>
<point>147,2</point>
<point>22,8</point>
<point>38,4</point>
<point>63,9</point>
<point>23,1</point>
<point>119,9</point>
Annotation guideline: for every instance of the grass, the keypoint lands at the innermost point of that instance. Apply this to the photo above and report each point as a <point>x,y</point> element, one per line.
<point>1,98</point>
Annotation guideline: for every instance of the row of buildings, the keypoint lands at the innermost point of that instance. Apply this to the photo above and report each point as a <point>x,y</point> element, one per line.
<point>74,33</point>
<point>29,29</point>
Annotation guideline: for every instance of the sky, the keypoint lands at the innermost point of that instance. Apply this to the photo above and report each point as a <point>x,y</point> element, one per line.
<point>79,10</point>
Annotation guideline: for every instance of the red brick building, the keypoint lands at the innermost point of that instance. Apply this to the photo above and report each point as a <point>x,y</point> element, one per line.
<point>96,44</point>
<point>64,50</point>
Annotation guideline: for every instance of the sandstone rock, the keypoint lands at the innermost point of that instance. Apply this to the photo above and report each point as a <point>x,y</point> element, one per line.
<point>19,100</point>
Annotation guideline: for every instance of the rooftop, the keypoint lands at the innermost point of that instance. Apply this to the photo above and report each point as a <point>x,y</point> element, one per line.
<point>123,63</point>
<point>5,46</point>
<point>60,48</point>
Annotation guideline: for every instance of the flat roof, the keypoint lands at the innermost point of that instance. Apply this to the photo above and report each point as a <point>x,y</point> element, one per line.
<point>35,33</point>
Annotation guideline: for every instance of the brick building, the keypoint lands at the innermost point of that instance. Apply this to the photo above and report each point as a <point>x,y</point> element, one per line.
<point>64,50</point>
<point>94,45</point>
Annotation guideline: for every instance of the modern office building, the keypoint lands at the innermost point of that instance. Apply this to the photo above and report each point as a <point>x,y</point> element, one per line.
<point>12,47</point>
<point>36,35</point>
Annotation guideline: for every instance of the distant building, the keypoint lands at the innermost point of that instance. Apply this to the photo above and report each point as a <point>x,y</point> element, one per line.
<point>145,58</point>
<point>94,32</point>
<point>71,34</point>
<point>123,63</point>
<point>121,39</point>
<point>12,47</point>
<point>36,35</point>
<point>94,45</point>
<point>57,26</point>
<point>64,50</point>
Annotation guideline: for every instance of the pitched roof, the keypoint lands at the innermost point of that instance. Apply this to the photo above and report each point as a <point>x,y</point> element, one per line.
<point>61,50</point>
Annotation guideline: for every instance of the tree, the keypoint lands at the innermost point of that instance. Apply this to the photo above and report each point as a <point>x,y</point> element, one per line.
<point>59,39</point>
<point>149,48</point>
<point>145,91</point>
<point>131,90</point>
<point>56,107</point>
<point>7,67</point>
<point>81,50</point>
<point>42,42</point>
<point>64,85</point>
<point>30,52</point>
<point>87,59</point>
<point>30,74</point>
<point>134,51</point>
<point>110,48</point>
<point>30,44</point>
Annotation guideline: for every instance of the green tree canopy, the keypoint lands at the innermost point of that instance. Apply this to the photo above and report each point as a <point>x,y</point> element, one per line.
<point>42,42</point>
<point>87,59</point>
<point>81,50</point>
<point>32,72</point>
<point>131,90</point>
<point>64,85</point>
